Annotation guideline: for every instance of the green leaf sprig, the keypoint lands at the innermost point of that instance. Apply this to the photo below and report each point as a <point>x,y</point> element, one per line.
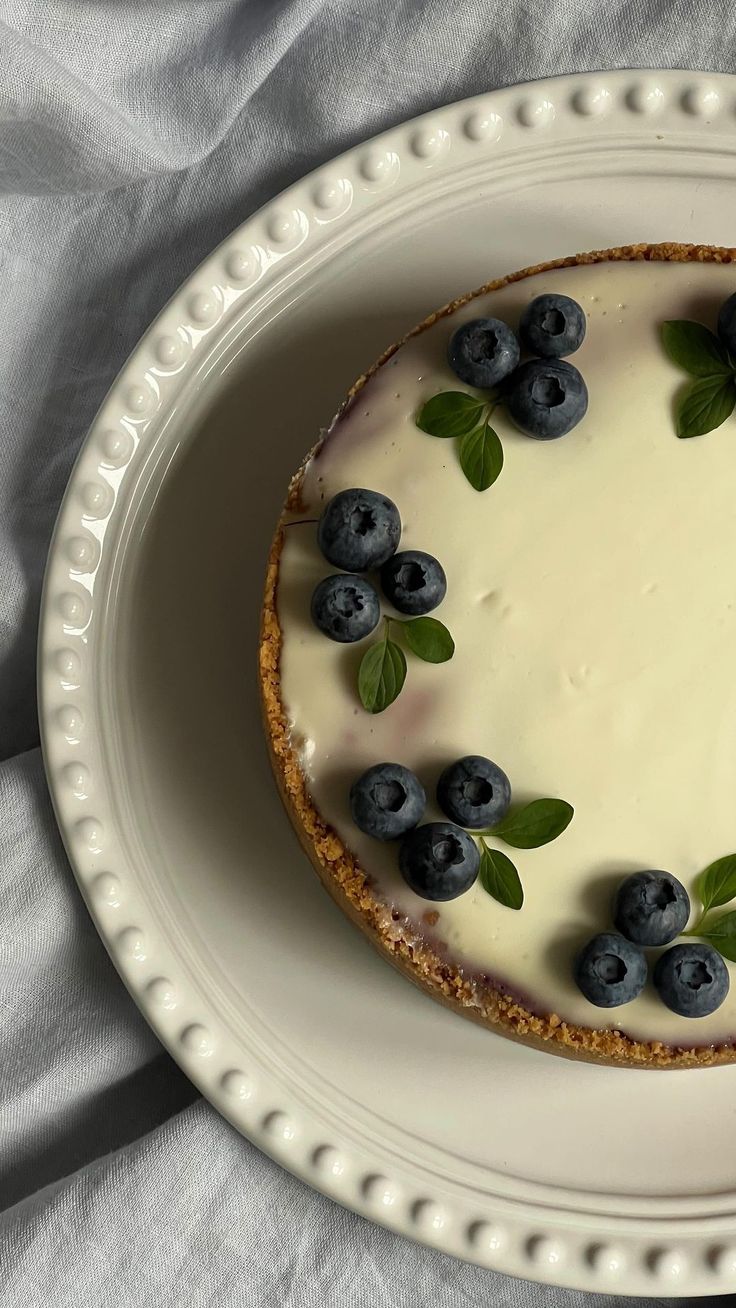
<point>381,675</point>
<point>721,934</point>
<point>535,824</point>
<point>499,878</point>
<point>382,671</point>
<point>456,415</point>
<point>717,887</point>
<point>530,827</point>
<point>707,401</point>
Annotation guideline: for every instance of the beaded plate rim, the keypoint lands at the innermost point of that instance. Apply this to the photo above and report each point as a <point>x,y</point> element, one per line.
<point>649,110</point>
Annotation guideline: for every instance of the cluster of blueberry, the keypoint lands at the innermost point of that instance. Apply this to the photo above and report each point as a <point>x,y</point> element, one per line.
<point>651,909</point>
<point>438,860</point>
<point>360,530</point>
<point>545,397</point>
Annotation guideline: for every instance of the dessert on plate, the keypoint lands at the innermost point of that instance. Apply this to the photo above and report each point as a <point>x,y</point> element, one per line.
<point>498,655</point>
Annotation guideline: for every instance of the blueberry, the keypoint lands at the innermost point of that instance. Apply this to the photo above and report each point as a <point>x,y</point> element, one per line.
<point>345,608</point>
<point>651,908</point>
<point>691,979</point>
<point>474,792</point>
<point>727,324</point>
<point>358,530</point>
<point>552,326</point>
<point>439,861</point>
<point>482,352</point>
<point>387,801</point>
<point>610,970</point>
<point>547,398</point>
<point>414,582</point>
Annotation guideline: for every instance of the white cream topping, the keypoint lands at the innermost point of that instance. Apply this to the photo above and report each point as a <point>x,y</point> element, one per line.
<point>592,598</point>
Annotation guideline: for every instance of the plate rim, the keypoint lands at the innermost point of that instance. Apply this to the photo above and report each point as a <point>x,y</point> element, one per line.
<point>517,1237</point>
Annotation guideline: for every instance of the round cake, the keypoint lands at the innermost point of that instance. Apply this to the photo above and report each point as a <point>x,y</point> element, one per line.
<point>498,655</point>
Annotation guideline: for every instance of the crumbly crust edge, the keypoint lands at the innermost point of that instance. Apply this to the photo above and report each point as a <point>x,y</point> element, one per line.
<point>486,1002</point>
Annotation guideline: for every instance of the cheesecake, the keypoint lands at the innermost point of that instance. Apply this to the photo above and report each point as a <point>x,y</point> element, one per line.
<point>498,655</point>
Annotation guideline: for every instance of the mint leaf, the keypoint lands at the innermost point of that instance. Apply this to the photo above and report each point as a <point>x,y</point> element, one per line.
<point>481,457</point>
<point>381,675</point>
<point>704,405</point>
<point>722,935</point>
<point>451,413</point>
<point>717,884</point>
<point>696,349</point>
<point>429,639</point>
<point>499,877</point>
<point>536,824</point>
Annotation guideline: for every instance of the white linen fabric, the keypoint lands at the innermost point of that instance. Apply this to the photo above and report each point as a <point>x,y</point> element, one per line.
<point>133,136</point>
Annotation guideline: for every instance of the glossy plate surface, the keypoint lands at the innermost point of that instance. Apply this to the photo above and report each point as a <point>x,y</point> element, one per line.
<point>611,1180</point>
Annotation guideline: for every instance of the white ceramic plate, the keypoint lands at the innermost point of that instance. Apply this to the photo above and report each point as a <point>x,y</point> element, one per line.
<point>275,1006</point>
